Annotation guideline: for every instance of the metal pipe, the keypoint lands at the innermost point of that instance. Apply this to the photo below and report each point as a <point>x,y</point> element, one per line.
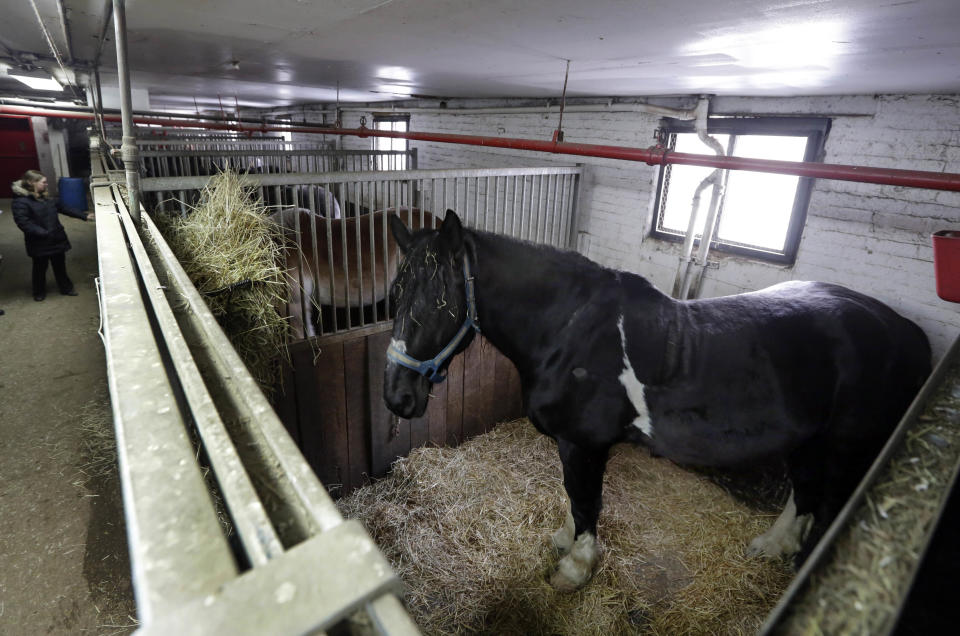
<point>662,156</point>
<point>64,23</point>
<point>685,271</point>
<point>686,252</point>
<point>53,47</point>
<point>107,14</point>
<point>128,149</point>
<point>651,156</point>
<point>708,229</point>
<point>664,111</point>
<point>178,116</point>
<point>98,107</point>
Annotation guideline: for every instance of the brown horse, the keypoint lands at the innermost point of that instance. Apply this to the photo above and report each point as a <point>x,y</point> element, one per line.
<point>335,269</point>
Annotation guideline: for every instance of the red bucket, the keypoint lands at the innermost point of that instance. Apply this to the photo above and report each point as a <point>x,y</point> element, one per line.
<point>946,264</point>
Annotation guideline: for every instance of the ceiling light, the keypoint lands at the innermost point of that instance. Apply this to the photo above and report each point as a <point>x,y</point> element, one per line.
<point>38,80</point>
<point>396,89</point>
<point>396,73</point>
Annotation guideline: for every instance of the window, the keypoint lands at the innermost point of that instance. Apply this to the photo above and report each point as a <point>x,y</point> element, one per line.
<point>286,134</point>
<point>397,123</point>
<point>761,215</point>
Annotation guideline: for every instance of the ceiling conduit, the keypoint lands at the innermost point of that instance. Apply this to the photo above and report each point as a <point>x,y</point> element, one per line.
<point>651,109</point>
<point>651,156</point>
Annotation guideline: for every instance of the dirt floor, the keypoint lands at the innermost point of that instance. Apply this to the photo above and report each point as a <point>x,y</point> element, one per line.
<point>63,556</point>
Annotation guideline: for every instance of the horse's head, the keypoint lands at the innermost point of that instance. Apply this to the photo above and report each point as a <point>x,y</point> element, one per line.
<point>435,317</point>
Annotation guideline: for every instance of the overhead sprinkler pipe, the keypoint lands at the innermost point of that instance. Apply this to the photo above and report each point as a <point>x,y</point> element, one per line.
<point>129,150</point>
<point>650,156</point>
<point>161,114</point>
<point>662,156</point>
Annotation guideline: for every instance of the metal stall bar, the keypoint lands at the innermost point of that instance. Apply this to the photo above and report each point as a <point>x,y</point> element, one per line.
<point>186,578</point>
<point>249,518</point>
<point>155,184</point>
<point>177,549</point>
<point>128,148</point>
<point>237,155</point>
<point>329,542</point>
<point>799,609</point>
<point>346,282</point>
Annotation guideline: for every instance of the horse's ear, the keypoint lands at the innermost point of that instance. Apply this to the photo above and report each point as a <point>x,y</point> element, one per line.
<point>400,232</point>
<point>451,232</point>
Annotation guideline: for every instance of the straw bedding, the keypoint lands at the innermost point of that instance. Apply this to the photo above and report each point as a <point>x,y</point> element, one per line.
<point>468,529</point>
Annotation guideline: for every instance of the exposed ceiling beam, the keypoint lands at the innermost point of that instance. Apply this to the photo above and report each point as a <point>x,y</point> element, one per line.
<point>65,24</point>
<point>107,14</point>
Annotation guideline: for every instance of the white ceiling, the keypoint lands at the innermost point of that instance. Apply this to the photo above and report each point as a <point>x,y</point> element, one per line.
<point>297,51</point>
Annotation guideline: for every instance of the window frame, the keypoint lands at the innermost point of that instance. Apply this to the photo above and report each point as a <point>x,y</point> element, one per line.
<point>815,129</point>
<point>393,117</point>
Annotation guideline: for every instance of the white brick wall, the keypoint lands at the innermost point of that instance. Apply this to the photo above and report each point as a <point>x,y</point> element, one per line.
<point>875,239</point>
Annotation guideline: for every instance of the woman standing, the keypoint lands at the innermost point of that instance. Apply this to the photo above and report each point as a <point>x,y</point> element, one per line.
<point>46,240</point>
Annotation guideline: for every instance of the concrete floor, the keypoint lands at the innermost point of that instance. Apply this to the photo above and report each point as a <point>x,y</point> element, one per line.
<point>63,557</point>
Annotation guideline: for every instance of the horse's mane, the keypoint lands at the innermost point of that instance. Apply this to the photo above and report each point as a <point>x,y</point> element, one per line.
<point>567,261</point>
<point>540,259</point>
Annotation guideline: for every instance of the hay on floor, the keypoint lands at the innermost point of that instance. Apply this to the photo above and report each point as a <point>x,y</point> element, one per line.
<point>468,529</point>
<point>232,254</point>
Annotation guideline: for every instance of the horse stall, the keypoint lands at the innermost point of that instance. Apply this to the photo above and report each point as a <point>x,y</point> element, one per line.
<point>340,309</point>
<point>189,158</point>
<point>228,528</point>
<point>479,566</point>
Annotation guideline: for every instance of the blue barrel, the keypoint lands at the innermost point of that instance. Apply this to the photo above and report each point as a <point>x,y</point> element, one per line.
<point>73,192</point>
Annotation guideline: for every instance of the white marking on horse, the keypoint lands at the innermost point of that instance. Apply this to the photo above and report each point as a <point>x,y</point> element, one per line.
<point>398,345</point>
<point>563,537</point>
<point>634,387</point>
<point>786,536</point>
<point>576,568</point>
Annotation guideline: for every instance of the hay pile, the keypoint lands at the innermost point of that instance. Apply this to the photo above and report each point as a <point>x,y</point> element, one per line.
<point>861,587</point>
<point>231,253</point>
<point>468,530</point>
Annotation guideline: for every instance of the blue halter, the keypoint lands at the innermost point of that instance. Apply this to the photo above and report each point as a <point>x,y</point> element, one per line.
<point>430,369</point>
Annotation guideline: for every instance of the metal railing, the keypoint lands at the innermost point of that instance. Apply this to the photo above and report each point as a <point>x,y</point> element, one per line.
<point>189,161</point>
<point>879,579</point>
<point>354,264</point>
<point>297,566</point>
<point>233,143</point>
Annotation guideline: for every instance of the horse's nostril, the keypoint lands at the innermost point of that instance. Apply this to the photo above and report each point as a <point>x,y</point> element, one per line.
<point>402,403</point>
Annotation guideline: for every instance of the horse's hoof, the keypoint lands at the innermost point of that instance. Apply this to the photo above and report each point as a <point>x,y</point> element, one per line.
<point>785,537</point>
<point>576,568</point>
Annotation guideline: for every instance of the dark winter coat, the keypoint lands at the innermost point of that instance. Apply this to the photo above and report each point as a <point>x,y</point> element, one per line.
<point>37,218</point>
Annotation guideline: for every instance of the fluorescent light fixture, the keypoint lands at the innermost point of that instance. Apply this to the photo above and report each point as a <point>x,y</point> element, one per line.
<point>37,80</point>
<point>396,89</point>
<point>395,73</point>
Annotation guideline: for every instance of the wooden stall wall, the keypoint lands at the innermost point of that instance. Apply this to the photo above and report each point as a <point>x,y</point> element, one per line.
<point>332,403</point>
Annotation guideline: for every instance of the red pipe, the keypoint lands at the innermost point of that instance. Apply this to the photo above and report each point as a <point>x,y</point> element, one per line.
<point>651,156</point>
<point>661,156</point>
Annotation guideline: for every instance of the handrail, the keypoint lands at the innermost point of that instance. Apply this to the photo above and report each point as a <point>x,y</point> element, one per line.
<point>302,568</point>
<point>158,184</point>
<point>928,406</point>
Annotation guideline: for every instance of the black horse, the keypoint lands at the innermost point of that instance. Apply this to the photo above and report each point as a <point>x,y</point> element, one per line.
<point>813,373</point>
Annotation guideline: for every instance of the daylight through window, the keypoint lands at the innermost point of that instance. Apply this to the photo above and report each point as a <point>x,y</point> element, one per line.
<point>397,123</point>
<point>761,214</point>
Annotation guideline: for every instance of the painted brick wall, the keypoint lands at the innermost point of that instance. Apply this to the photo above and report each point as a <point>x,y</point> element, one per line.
<point>875,239</point>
